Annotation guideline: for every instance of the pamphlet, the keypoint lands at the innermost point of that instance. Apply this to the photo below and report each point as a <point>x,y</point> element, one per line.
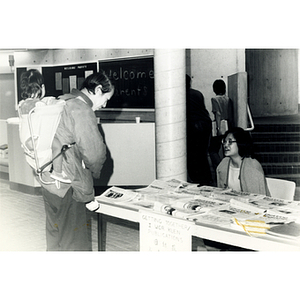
<point>116,194</point>
<point>253,213</point>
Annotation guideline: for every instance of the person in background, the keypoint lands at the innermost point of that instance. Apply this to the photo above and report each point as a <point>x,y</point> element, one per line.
<point>67,227</point>
<point>239,170</point>
<point>198,135</point>
<point>222,108</point>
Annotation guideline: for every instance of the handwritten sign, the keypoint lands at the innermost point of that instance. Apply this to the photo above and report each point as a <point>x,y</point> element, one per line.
<point>134,82</point>
<point>164,233</point>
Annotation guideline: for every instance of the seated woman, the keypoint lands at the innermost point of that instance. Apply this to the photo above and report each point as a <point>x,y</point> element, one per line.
<point>239,170</point>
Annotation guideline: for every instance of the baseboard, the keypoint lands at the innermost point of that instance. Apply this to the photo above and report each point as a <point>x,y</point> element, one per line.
<point>4,175</point>
<point>37,191</point>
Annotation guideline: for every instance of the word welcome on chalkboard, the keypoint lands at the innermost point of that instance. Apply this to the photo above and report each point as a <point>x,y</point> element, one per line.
<point>134,82</point>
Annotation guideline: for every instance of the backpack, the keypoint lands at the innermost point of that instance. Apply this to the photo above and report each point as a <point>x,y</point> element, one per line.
<point>39,120</point>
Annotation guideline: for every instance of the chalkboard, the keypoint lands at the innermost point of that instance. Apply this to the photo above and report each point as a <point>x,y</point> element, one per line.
<point>134,82</point>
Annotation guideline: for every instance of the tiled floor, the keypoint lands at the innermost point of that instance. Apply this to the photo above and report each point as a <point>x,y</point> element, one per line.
<point>22,225</point>
<point>22,221</point>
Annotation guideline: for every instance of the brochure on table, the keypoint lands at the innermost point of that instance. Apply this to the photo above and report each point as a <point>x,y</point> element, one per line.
<point>253,213</point>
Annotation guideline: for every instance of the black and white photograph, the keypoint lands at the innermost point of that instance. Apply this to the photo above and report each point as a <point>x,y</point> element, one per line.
<point>153,154</point>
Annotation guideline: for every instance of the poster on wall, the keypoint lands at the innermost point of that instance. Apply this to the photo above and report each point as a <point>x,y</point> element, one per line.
<point>134,82</point>
<point>18,73</point>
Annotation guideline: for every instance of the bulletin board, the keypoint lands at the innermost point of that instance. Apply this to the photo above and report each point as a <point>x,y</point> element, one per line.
<point>60,79</point>
<point>133,79</point>
<point>134,82</point>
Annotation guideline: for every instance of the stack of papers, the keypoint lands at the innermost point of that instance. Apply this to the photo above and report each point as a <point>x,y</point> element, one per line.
<point>255,214</point>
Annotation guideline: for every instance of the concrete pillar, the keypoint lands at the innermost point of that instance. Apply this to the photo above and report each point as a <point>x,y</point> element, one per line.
<point>170,113</point>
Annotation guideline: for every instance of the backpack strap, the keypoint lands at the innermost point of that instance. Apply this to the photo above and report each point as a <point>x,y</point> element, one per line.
<point>62,151</point>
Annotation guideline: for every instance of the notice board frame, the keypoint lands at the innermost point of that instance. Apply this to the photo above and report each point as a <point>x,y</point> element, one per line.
<point>58,77</point>
<point>115,114</point>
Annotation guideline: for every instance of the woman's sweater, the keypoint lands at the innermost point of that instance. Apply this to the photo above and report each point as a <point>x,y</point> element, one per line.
<point>251,176</point>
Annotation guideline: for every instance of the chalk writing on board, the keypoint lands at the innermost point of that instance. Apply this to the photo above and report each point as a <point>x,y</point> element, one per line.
<point>134,82</point>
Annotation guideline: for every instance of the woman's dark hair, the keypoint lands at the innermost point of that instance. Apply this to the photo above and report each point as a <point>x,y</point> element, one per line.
<point>243,140</point>
<point>219,87</point>
<point>100,78</point>
<point>31,84</point>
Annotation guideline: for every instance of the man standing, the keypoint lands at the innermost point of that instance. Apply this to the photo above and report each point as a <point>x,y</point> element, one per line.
<point>66,221</point>
<point>198,135</point>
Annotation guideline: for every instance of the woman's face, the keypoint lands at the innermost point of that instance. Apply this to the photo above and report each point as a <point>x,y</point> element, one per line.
<point>230,146</point>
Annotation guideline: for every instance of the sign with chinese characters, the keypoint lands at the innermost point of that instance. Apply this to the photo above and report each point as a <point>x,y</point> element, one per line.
<point>164,233</point>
